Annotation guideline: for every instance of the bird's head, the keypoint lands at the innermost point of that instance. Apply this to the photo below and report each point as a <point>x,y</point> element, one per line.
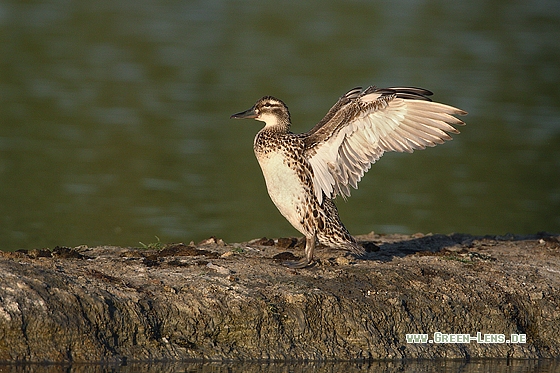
<point>272,111</point>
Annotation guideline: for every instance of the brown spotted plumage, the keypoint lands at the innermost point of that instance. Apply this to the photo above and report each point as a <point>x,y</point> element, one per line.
<point>305,172</point>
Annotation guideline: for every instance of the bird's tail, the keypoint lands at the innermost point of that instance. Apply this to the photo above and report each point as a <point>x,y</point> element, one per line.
<point>336,235</point>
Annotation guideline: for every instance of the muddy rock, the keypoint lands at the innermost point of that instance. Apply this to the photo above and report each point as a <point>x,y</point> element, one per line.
<point>220,301</point>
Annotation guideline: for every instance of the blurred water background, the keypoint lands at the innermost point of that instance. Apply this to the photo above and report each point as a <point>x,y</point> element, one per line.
<point>114,115</point>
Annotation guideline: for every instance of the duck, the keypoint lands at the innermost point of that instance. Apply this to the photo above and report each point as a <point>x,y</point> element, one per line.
<point>305,172</point>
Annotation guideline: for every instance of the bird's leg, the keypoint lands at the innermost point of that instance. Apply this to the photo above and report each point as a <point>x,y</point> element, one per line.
<point>308,259</point>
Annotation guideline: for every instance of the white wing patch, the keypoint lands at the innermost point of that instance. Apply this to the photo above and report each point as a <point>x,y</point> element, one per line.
<point>403,125</point>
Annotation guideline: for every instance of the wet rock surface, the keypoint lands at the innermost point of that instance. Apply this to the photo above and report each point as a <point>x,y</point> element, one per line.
<point>214,300</point>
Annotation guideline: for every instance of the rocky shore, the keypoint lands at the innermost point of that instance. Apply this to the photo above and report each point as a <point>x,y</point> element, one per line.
<point>219,301</point>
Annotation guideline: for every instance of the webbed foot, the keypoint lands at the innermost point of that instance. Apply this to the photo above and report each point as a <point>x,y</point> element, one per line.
<point>307,260</point>
<point>298,264</point>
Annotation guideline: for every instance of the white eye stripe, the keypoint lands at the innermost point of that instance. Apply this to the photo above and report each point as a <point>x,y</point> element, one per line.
<point>272,104</point>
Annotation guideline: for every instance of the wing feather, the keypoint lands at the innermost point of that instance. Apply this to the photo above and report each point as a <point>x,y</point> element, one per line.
<point>364,124</point>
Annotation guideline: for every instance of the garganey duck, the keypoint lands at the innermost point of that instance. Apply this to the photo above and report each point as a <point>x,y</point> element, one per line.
<point>305,172</point>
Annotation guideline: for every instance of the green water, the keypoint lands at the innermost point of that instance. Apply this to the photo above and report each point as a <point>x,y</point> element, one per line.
<point>114,115</point>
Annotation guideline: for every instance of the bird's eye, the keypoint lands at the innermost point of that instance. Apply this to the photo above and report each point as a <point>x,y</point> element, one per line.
<point>267,104</point>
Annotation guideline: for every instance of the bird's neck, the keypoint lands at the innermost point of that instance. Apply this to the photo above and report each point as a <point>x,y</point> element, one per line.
<point>269,136</point>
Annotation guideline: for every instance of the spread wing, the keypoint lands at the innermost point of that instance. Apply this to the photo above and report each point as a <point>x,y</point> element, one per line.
<point>363,125</point>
